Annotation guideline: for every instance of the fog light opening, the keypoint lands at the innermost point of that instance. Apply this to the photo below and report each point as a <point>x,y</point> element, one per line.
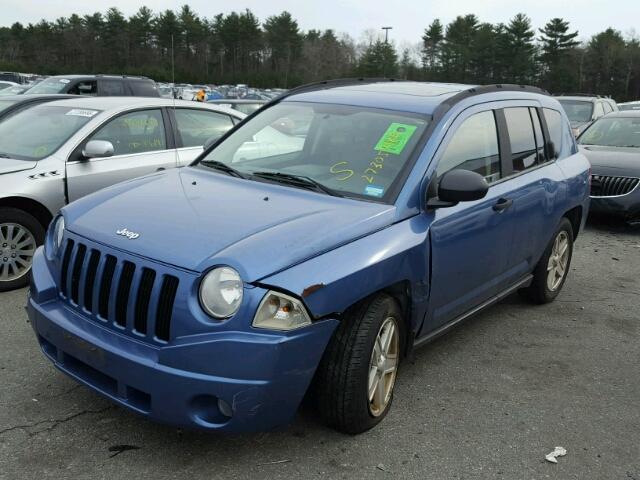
<point>209,410</point>
<point>225,408</point>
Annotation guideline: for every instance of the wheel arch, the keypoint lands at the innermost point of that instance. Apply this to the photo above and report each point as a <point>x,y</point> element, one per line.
<point>30,206</point>
<point>575,217</point>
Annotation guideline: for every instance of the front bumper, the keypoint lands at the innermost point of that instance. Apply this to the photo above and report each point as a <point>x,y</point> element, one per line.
<point>256,382</point>
<point>625,206</point>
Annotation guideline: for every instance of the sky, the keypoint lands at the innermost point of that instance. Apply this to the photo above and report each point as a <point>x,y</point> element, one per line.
<point>407,17</point>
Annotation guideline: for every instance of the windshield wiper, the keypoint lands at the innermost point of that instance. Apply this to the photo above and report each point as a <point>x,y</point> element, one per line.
<point>223,167</point>
<point>297,181</point>
<point>4,155</point>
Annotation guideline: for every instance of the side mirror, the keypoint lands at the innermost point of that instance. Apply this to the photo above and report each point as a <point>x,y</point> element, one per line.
<point>459,186</point>
<point>211,142</point>
<point>98,149</point>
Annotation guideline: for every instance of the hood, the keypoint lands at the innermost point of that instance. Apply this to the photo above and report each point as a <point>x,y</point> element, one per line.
<point>10,165</point>
<point>614,161</point>
<point>193,218</point>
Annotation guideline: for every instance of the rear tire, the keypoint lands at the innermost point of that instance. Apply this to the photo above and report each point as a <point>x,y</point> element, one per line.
<point>552,269</point>
<point>356,376</point>
<point>20,235</point>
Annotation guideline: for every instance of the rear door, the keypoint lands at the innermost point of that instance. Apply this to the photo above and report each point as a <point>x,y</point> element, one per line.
<point>471,242</point>
<point>194,127</point>
<point>535,181</point>
<point>141,146</point>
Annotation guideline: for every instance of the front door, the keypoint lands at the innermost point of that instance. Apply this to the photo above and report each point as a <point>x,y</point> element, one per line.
<point>140,147</point>
<point>470,242</point>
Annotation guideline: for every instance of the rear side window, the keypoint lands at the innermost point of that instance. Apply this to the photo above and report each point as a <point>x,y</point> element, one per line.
<point>474,146</point>
<point>135,132</point>
<point>112,88</point>
<point>521,138</point>
<point>197,126</point>
<point>537,130</point>
<point>85,87</point>
<point>144,89</point>
<point>554,125</point>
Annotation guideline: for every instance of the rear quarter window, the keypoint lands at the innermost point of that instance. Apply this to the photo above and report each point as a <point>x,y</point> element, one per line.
<point>555,126</point>
<point>144,89</point>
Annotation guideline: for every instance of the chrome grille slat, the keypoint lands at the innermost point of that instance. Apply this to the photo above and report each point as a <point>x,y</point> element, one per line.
<point>609,186</point>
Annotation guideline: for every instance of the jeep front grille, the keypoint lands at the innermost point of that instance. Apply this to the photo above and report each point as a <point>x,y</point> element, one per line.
<point>128,297</point>
<point>606,186</point>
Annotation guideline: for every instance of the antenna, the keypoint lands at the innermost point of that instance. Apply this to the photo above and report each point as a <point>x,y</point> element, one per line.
<point>173,91</point>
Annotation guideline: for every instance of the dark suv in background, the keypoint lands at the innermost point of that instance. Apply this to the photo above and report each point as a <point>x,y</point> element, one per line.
<point>97,85</point>
<point>583,110</point>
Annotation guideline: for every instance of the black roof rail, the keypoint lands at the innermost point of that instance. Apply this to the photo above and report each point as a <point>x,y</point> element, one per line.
<point>119,76</point>
<point>338,82</point>
<point>445,106</point>
<point>593,95</point>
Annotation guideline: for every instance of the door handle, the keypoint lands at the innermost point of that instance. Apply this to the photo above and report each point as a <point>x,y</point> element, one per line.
<point>160,169</point>
<point>502,204</point>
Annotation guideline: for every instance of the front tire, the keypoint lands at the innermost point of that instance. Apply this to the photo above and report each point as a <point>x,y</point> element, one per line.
<point>356,377</point>
<point>20,235</point>
<point>552,269</point>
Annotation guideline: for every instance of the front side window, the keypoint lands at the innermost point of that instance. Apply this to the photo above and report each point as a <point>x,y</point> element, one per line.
<point>612,132</point>
<point>135,132</point>
<point>195,127</point>
<point>474,146</point>
<point>521,138</point>
<point>353,151</point>
<point>54,126</point>
<point>578,111</point>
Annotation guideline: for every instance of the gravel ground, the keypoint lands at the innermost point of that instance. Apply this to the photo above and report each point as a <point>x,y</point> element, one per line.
<point>486,401</point>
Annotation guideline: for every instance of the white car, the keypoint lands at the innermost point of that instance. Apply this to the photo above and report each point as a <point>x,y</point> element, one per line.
<point>54,153</point>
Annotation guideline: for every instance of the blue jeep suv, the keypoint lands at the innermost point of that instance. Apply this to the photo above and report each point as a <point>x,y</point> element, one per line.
<point>309,250</point>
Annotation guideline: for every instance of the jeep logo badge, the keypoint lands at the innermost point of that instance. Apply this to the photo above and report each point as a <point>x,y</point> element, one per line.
<point>128,233</point>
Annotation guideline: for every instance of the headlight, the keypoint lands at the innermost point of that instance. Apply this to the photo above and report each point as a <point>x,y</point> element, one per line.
<point>55,236</point>
<point>221,292</point>
<point>278,311</point>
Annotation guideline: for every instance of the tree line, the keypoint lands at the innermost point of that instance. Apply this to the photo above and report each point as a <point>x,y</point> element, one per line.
<point>239,48</point>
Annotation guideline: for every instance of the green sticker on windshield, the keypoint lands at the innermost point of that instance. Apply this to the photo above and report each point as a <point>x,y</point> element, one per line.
<point>395,138</point>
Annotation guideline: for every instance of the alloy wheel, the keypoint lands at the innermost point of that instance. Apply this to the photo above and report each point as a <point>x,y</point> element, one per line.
<point>17,247</point>
<point>383,366</point>
<point>558,260</point>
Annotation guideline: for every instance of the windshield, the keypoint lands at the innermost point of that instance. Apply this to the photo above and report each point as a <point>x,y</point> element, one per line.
<point>352,151</point>
<point>578,111</point>
<point>613,132</point>
<point>50,85</point>
<point>4,104</point>
<point>39,131</point>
